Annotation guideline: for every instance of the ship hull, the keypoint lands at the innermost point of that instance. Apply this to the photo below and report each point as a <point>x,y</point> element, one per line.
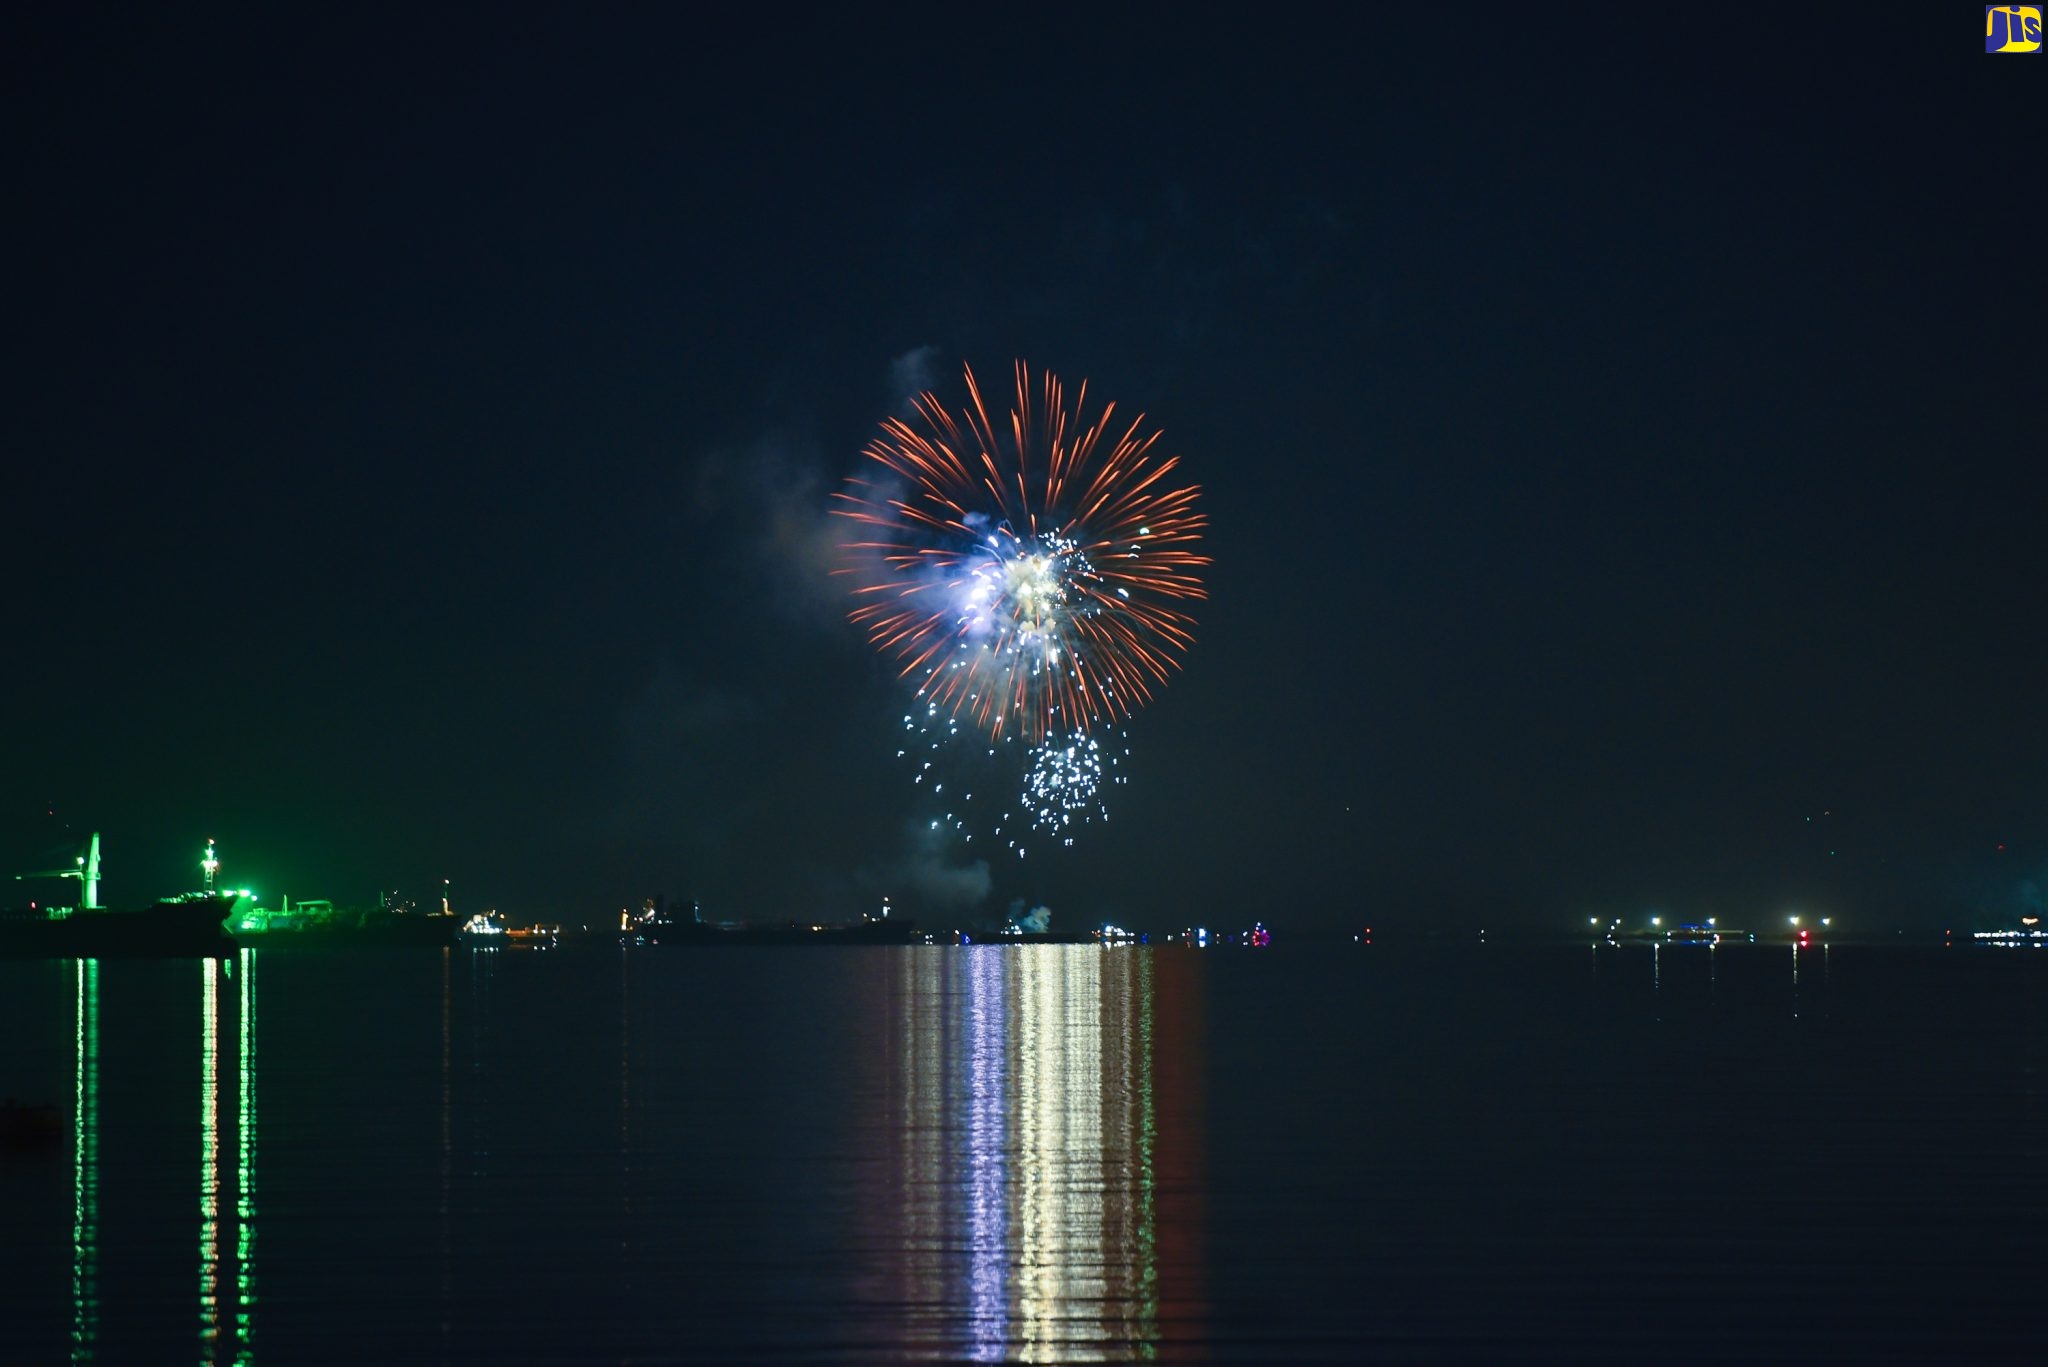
<point>387,932</point>
<point>177,927</point>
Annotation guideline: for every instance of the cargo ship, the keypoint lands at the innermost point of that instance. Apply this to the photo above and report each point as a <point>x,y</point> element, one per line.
<point>188,923</point>
<point>316,923</point>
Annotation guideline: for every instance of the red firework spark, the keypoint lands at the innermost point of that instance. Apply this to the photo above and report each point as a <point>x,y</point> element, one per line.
<point>1033,576</point>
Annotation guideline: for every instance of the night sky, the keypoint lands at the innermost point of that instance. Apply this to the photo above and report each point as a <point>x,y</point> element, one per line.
<point>1621,433</point>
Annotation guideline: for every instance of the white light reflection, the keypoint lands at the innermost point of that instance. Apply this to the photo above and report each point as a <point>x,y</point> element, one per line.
<point>988,1176</point>
<point>1060,1138</point>
<point>1028,1193</point>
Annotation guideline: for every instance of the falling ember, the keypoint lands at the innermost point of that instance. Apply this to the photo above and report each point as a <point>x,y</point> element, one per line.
<point>1033,579</point>
<point>1064,784</point>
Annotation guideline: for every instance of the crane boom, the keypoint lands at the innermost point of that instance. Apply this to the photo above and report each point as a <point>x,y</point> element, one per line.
<point>87,872</point>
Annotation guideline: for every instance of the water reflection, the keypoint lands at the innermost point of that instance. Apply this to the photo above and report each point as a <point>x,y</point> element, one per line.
<point>227,1287</point>
<point>1031,1191</point>
<point>245,1152</point>
<point>975,1153</point>
<point>209,1153</point>
<point>446,1167</point>
<point>85,1165</point>
<point>1032,1105</point>
<point>226,1258</point>
<point>988,1223</point>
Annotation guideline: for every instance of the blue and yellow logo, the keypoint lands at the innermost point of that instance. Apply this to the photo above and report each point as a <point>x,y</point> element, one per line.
<point>2012,28</point>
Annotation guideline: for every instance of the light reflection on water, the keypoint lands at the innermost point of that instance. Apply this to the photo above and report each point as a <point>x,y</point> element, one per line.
<point>209,1155</point>
<point>85,1163</point>
<point>245,1151</point>
<point>1026,1081</point>
<point>225,1303</point>
<point>1024,1122</point>
<point>1045,1154</point>
<point>988,1224</point>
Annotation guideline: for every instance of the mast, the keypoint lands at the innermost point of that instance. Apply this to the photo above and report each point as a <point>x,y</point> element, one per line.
<point>210,864</point>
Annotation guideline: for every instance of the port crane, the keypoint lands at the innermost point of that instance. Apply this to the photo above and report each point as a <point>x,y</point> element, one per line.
<point>86,871</point>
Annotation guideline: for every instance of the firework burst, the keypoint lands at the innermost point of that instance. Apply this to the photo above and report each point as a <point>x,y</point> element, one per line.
<point>1034,577</point>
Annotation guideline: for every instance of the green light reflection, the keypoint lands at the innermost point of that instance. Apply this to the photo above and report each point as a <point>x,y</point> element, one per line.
<point>224,1328</point>
<point>245,1158</point>
<point>209,1153</point>
<point>221,1328</point>
<point>85,1165</point>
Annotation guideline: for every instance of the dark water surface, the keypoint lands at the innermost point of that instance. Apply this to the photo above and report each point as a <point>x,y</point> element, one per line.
<point>1048,1153</point>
